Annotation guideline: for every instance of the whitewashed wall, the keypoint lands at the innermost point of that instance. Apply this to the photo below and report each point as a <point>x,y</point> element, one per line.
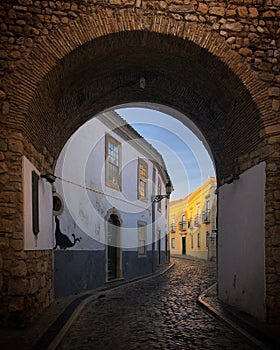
<point>241,242</point>
<point>44,239</point>
<point>82,162</point>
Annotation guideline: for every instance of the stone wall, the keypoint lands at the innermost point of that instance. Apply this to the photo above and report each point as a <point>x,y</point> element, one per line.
<point>39,41</point>
<point>250,27</point>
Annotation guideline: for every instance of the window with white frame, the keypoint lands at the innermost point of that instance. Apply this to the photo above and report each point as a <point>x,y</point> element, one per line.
<point>173,243</point>
<point>113,162</point>
<point>192,241</point>
<point>198,240</point>
<point>142,179</point>
<point>142,239</point>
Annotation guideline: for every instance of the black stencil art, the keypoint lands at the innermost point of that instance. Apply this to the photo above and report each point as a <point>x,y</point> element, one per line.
<point>62,240</point>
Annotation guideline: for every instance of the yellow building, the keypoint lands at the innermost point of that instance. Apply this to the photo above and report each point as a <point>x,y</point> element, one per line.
<point>193,222</point>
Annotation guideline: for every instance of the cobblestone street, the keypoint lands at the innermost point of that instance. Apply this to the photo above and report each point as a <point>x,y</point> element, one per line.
<point>157,313</point>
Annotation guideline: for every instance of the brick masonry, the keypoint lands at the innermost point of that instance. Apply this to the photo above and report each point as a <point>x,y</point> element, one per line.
<point>62,61</point>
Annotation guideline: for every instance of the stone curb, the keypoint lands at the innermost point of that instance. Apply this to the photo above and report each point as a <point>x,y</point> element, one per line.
<point>232,321</point>
<point>85,300</point>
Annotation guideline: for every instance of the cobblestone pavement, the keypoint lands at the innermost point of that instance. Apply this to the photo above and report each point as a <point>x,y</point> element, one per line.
<point>158,313</point>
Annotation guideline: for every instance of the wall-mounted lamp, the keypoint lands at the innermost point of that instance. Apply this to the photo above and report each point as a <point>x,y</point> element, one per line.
<point>168,189</point>
<point>230,179</point>
<point>49,177</point>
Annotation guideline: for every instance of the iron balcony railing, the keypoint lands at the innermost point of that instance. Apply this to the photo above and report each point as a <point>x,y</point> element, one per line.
<point>183,225</point>
<point>206,216</point>
<point>172,228</point>
<point>197,220</point>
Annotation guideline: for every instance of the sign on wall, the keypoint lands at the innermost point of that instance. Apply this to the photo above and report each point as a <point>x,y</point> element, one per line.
<point>38,218</point>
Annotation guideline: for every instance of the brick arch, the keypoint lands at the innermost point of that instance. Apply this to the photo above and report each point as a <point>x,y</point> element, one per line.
<point>54,99</point>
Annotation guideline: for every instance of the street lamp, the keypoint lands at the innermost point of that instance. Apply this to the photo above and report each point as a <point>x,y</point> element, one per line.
<point>156,199</point>
<point>49,177</point>
<point>168,189</point>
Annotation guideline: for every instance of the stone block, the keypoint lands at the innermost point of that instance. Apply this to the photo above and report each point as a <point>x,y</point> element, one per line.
<point>5,107</point>
<point>242,11</point>
<point>274,91</point>
<point>2,94</point>
<point>253,12</point>
<point>16,304</point>
<point>217,11</point>
<point>182,8</point>
<point>268,14</point>
<point>276,105</point>
<point>17,244</point>
<point>17,286</point>
<point>203,8</point>
<point>34,285</point>
<point>244,51</point>
<point>18,268</point>
<point>15,146</point>
<point>235,27</point>
<point>6,225</point>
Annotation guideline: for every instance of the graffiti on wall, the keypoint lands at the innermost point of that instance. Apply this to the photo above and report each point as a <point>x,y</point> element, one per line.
<point>62,240</point>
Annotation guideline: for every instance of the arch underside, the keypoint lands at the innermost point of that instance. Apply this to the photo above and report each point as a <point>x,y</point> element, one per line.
<point>178,73</point>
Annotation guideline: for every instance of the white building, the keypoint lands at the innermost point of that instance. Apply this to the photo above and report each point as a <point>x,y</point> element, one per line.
<point>106,176</point>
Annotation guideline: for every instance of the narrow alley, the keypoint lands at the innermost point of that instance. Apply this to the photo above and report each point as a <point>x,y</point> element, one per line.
<point>157,313</point>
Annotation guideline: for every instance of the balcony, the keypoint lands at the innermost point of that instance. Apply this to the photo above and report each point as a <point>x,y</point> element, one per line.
<point>182,226</point>
<point>206,216</point>
<point>172,228</point>
<point>190,224</point>
<point>197,220</point>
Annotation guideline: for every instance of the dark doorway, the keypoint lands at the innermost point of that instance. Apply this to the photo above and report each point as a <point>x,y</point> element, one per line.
<point>184,246</point>
<point>159,248</point>
<point>113,250</point>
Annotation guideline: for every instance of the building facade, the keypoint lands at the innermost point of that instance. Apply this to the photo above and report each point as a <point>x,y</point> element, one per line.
<point>193,223</point>
<point>61,65</point>
<point>105,225</point>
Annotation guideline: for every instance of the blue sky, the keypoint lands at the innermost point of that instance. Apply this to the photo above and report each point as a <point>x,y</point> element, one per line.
<point>188,163</point>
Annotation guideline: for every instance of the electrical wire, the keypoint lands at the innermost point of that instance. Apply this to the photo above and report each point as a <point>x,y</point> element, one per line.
<point>102,193</point>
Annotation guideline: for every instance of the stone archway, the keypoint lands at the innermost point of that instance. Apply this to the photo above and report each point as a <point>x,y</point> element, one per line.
<point>97,62</point>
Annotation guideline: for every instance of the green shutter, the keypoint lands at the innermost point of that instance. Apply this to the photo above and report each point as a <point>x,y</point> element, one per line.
<point>35,203</point>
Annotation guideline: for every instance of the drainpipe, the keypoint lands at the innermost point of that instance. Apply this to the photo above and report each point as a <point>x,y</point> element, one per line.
<point>153,236</point>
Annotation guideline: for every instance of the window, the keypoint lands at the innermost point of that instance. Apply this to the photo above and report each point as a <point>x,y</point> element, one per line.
<point>192,241</point>
<point>198,240</point>
<point>173,225</point>
<point>142,239</point>
<point>159,193</point>
<point>183,225</point>
<point>112,170</point>
<point>172,243</point>
<point>58,205</point>
<point>197,217</point>
<point>35,203</point>
<point>207,239</point>
<point>190,224</point>
<point>142,179</point>
<point>206,214</point>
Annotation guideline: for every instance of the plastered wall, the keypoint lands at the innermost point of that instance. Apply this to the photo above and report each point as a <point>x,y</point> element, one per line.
<point>241,242</point>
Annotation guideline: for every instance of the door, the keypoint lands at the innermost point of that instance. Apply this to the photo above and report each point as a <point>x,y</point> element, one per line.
<point>113,251</point>
<point>159,247</point>
<point>184,249</point>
